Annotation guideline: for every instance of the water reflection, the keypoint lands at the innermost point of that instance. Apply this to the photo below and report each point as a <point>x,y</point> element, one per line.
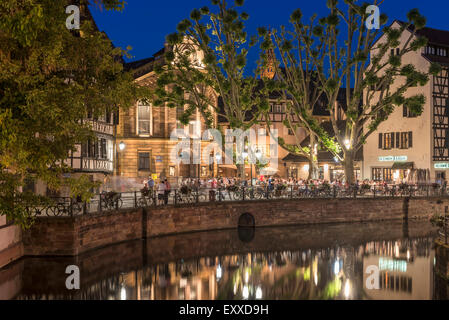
<point>328,263</point>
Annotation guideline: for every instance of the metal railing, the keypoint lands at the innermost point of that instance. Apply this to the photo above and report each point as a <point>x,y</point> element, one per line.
<point>191,196</point>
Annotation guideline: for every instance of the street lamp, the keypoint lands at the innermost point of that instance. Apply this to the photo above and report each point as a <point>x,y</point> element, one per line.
<point>121,147</point>
<point>347,144</point>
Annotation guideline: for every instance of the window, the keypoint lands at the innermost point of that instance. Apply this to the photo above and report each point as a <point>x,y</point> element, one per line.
<point>92,148</point>
<point>290,132</point>
<point>437,51</point>
<point>103,149</point>
<point>407,113</point>
<point>144,119</point>
<point>387,174</point>
<point>396,52</point>
<point>404,140</point>
<point>144,161</point>
<point>376,174</point>
<point>277,108</point>
<point>388,142</point>
<point>382,174</point>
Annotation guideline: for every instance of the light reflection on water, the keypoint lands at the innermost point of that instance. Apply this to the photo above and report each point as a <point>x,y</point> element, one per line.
<point>331,269</point>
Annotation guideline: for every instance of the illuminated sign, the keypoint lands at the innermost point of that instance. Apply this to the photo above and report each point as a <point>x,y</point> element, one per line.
<point>441,166</point>
<point>392,158</point>
<point>392,265</point>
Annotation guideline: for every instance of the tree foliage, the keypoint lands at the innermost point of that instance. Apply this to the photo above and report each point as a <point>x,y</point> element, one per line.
<point>364,67</point>
<point>300,50</point>
<point>220,36</point>
<point>50,78</point>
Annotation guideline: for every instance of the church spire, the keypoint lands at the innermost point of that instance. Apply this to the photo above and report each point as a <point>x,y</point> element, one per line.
<point>270,69</point>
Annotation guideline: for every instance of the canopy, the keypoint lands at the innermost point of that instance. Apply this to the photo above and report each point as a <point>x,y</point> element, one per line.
<point>403,165</point>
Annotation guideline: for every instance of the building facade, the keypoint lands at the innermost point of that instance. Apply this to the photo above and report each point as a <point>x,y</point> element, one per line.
<point>145,134</point>
<point>407,146</point>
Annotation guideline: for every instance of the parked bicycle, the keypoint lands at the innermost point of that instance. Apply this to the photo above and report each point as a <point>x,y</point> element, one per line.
<point>111,200</point>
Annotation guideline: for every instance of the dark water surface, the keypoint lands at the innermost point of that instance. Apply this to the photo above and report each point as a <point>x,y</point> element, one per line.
<point>306,262</point>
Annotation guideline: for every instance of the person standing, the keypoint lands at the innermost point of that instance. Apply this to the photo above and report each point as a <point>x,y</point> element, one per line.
<point>161,192</point>
<point>167,191</point>
<point>150,184</point>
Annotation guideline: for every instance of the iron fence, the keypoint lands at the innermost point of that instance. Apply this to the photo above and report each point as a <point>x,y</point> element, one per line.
<point>190,196</point>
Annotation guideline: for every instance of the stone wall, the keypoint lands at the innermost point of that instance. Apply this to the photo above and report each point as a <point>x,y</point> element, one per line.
<point>10,242</point>
<point>71,236</point>
<point>171,220</point>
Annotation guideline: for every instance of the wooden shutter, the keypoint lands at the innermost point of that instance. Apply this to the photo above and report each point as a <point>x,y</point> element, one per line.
<point>392,140</point>
<point>410,139</point>
<point>398,140</point>
<point>404,111</point>
<point>380,140</point>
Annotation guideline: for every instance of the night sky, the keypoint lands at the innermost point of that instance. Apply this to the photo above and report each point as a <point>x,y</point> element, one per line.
<point>144,24</point>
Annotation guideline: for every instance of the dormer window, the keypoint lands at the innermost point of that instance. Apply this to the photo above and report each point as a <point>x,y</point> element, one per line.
<point>436,51</point>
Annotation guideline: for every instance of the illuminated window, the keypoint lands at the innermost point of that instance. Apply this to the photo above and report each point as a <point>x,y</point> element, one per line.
<point>388,141</point>
<point>144,119</point>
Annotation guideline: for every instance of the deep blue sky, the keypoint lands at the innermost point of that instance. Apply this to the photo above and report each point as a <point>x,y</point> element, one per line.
<point>144,24</point>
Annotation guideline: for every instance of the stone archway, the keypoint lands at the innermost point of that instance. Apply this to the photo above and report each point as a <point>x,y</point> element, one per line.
<point>247,220</point>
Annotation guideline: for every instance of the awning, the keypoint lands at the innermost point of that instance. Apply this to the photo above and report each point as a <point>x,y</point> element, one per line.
<point>403,165</point>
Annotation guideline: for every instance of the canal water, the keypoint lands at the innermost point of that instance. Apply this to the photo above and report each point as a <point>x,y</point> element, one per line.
<point>319,262</point>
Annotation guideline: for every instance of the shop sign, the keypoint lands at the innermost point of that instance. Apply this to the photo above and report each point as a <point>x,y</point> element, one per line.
<point>393,158</point>
<point>441,165</point>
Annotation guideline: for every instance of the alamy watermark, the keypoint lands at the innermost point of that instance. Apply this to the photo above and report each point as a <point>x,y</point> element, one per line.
<point>373,21</point>
<point>240,147</point>
<point>72,282</point>
<point>373,280</point>
<point>73,21</point>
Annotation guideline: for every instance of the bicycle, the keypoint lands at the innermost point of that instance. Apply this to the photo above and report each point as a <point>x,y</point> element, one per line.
<point>111,200</point>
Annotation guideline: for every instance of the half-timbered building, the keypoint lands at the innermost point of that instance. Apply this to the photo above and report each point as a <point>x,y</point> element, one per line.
<point>409,144</point>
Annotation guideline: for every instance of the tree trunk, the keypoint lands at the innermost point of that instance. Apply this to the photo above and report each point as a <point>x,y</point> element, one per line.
<point>314,170</point>
<point>241,171</point>
<point>349,167</point>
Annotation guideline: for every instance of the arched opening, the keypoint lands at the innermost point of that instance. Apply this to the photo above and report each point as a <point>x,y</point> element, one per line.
<point>247,220</point>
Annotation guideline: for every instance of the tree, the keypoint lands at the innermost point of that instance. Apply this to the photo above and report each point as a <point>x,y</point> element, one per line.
<point>220,39</point>
<point>298,83</point>
<point>50,78</point>
<point>365,63</point>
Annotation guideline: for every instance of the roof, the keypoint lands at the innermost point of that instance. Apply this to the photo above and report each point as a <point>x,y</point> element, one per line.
<point>436,37</point>
<point>320,108</point>
<point>143,66</point>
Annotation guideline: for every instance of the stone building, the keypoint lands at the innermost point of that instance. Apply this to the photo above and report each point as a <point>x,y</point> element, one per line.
<point>144,133</point>
<point>407,143</point>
